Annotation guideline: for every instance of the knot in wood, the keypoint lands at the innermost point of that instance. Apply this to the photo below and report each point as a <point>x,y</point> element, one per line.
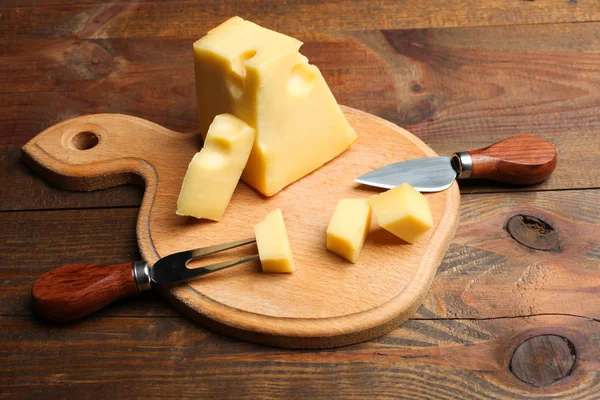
<point>420,112</point>
<point>98,59</point>
<point>533,232</point>
<point>416,87</point>
<point>544,359</point>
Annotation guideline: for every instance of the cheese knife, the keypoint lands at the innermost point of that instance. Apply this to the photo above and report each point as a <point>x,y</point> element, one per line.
<point>521,160</point>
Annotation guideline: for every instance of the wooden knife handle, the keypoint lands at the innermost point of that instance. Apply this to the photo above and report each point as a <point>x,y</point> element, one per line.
<point>73,291</point>
<point>521,160</point>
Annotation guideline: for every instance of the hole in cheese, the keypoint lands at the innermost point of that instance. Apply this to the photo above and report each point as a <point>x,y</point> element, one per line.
<point>214,172</point>
<point>219,149</point>
<point>301,80</point>
<point>236,78</point>
<point>238,65</point>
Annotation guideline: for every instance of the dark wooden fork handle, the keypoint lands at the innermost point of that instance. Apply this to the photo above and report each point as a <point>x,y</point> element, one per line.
<point>74,291</point>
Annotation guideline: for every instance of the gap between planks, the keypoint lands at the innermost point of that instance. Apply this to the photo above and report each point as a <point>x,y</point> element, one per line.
<point>17,315</point>
<point>516,190</point>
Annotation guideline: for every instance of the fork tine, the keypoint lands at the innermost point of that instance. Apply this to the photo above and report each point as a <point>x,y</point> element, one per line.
<point>190,273</point>
<point>206,251</point>
<point>173,268</point>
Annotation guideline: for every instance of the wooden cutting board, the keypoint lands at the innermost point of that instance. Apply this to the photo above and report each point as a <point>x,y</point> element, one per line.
<point>327,302</point>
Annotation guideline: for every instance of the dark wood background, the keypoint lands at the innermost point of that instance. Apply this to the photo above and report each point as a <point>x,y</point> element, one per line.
<point>514,310</point>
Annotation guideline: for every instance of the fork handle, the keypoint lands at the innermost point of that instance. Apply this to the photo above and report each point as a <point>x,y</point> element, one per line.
<point>73,291</point>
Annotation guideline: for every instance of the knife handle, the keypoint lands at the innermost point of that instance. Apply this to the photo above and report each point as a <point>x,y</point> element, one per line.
<point>73,291</point>
<point>521,160</point>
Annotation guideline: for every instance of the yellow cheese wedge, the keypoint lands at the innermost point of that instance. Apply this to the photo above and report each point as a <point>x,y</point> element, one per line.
<point>214,172</point>
<point>273,245</point>
<point>403,211</point>
<point>348,228</point>
<point>259,76</point>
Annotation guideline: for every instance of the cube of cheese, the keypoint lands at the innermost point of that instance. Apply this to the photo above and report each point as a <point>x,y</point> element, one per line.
<point>348,228</point>
<point>273,244</point>
<point>259,76</point>
<point>214,172</point>
<point>403,211</point>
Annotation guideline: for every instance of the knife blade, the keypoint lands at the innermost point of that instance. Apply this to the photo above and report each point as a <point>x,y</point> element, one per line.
<point>424,174</point>
<point>520,160</point>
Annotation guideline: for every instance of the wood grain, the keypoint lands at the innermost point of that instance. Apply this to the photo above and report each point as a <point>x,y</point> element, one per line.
<point>128,64</point>
<point>101,236</point>
<point>457,89</point>
<point>152,79</point>
<point>485,274</point>
<point>74,291</point>
<point>521,160</point>
<point>444,359</point>
<point>190,18</point>
<point>22,189</point>
<point>559,354</point>
<point>302,312</point>
<point>489,274</point>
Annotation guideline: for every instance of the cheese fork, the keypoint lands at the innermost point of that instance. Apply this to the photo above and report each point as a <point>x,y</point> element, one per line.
<point>73,291</point>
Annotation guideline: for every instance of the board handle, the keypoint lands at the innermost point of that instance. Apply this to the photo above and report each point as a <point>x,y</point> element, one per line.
<point>521,160</point>
<point>73,291</point>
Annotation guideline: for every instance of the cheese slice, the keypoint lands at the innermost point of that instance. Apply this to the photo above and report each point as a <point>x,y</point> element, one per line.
<point>273,244</point>
<point>214,172</point>
<point>403,211</point>
<point>259,76</point>
<point>348,228</point>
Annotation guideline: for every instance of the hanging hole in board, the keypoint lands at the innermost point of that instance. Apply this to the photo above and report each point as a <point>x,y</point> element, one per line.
<point>84,140</point>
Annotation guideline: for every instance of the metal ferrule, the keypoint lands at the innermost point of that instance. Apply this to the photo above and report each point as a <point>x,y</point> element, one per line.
<point>141,274</point>
<point>463,164</point>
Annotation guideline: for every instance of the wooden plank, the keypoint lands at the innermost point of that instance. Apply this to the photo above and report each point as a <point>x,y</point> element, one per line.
<point>145,101</point>
<point>494,271</point>
<point>151,79</point>
<point>455,88</point>
<point>23,189</point>
<point>486,273</point>
<point>143,357</point>
<point>187,18</point>
<point>76,65</point>
<point>34,242</point>
<point>460,89</point>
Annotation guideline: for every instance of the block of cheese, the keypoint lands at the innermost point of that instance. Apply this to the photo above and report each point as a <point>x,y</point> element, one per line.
<point>259,76</point>
<point>348,228</point>
<point>403,211</point>
<point>214,172</point>
<point>273,244</point>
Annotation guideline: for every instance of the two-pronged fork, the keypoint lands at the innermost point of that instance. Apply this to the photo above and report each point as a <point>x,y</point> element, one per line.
<point>74,291</point>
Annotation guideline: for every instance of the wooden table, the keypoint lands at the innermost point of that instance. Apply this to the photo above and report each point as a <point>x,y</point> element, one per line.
<point>514,309</point>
